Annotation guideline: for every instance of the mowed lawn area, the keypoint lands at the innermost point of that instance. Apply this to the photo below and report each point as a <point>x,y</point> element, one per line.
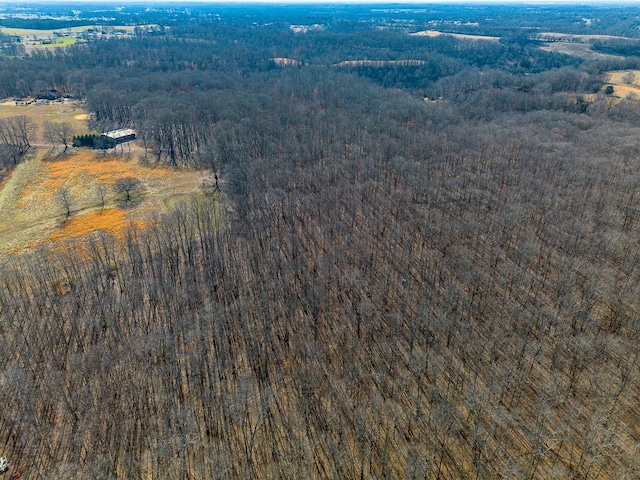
<point>33,213</point>
<point>67,111</point>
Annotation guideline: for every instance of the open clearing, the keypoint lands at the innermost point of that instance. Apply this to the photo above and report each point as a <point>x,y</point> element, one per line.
<point>380,63</point>
<point>568,37</point>
<point>580,50</point>
<point>61,42</point>
<point>576,45</point>
<point>32,213</point>
<point>462,36</point>
<point>67,111</point>
<point>626,83</point>
<point>34,39</point>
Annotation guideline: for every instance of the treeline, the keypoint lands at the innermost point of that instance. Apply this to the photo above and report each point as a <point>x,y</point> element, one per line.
<point>16,135</point>
<point>95,141</point>
<point>175,85</point>
<point>180,121</point>
<point>240,50</point>
<point>620,46</point>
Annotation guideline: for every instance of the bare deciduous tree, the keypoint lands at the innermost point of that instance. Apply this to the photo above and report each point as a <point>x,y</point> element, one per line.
<point>101,192</point>
<point>129,189</point>
<point>58,134</point>
<point>16,134</point>
<point>65,199</point>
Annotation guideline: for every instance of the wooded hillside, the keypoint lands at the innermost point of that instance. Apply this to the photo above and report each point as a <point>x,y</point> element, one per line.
<point>384,287</point>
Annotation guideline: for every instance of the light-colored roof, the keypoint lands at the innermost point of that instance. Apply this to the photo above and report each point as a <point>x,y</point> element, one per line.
<point>123,132</point>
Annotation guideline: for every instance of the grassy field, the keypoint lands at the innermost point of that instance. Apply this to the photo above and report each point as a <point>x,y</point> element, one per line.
<point>580,50</point>
<point>69,111</point>
<point>30,32</point>
<point>61,42</point>
<point>29,198</point>
<point>626,83</point>
<point>33,38</point>
<point>568,37</point>
<point>575,45</point>
<point>461,36</point>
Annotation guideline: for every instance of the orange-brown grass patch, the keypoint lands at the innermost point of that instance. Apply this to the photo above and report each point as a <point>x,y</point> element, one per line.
<point>114,221</point>
<point>4,178</point>
<point>85,163</point>
<point>35,210</point>
<point>111,220</point>
<point>84,168</point>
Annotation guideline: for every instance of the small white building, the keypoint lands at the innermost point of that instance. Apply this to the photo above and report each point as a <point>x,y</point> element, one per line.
<point>122,135</point>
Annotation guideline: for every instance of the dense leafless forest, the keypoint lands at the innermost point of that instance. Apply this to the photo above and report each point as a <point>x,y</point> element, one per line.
<point>381,286</point>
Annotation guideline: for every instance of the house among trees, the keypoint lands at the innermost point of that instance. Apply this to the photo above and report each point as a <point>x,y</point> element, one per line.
<point>51,95</point>
<point>122,135</point>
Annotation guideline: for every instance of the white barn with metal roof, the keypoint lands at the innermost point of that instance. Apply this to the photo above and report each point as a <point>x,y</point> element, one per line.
<point>122,135</point>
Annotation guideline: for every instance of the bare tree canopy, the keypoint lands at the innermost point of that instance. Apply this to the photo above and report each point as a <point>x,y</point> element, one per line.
<point>65,199</point>
<point>129,189</point>
<point>16,134</point>
<point>418,257</point>
<point>58,134</point>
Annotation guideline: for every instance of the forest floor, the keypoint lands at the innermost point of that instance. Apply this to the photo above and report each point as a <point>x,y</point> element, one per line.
<point>32,211</point>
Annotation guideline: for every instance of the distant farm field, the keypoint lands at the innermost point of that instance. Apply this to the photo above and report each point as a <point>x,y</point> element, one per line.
<point>61,42</point>
<point>577,49</point>
<point>461,36</point>
<point>576,45</point>
<point>24,32</point>
<point>34,39</point>
<point>32,212</point>
<point>568,37</point>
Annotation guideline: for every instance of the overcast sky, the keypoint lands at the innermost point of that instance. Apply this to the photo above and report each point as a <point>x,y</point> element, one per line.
<point>402,2</point>
<point>361,2</point>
